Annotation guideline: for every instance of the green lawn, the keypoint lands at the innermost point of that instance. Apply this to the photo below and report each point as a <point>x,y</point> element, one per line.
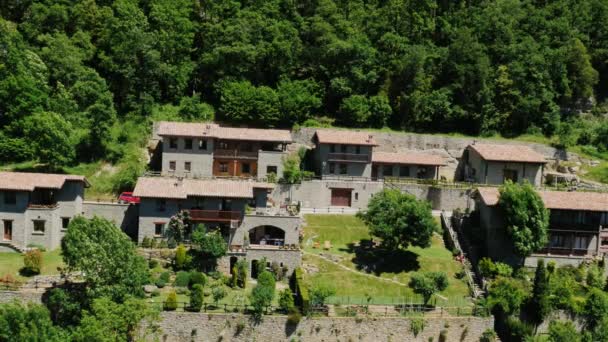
<point>11,263</point>
<point>343,231</point>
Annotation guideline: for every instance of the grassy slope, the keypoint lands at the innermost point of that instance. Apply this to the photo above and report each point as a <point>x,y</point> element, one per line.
<point>11,263</point>
<point>342,231</point>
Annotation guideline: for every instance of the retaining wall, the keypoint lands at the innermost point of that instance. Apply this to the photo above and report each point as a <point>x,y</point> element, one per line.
<point>184,326</point>
<point>9,296</point>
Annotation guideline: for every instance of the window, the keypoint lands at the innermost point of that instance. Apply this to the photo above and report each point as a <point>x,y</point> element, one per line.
<point>223,167</point>
<point>271,169</point>
<point>10,197</point>
<point>226,204</point>
<point>223,145</point>
<point>343,148</point>
<point>604,242</point>
<point>65,222</point>
<point>557,241</point>
<point>158,228</point>
<point>202,144</point>
<point>245,168</point>
<point>8,230</point>
<point>332,168</point>
<point>356,196</point>
<point>39,226</point>
<point>246,147</point>
<point>581,242</point>
<point>161,204</point>
<point>358,149</point>
<point>343,169</point>
<point>332,148</point>
<point>404,171</point>
<point>173,142</point>
<point>510,175</point>
<point>421,172</point>
<point>387,170</point>
<point>188,166</point>
<point>172,165</point>
<point>188,144</point>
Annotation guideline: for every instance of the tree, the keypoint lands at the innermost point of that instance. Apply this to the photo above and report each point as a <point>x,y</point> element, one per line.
<point>320,292</point>
<point>426,284</point>
<point>299,99</point>
<point>506,295</point>
<point>596,308</point>
<point>196,298</point>
<point>178,225</point>
<point>111,321</point>
<point>210,245</point>
<point>526,218</point>
<point>32,261</point>
<point>540,304</point>
<point>242,270</point>
<point>170,303</point>
<point>50,135</point>
<point>262,294</point>
<point>563,332</point>
<point>191,108</point>
<point>106,257</point>
<point>218,292</point>
<point>286,301</point>
<point>28,322</point>
<point>180,257</point>
<point>399,219</point>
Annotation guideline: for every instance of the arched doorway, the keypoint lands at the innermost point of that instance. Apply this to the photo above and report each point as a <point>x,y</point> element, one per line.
<point>267,235</point>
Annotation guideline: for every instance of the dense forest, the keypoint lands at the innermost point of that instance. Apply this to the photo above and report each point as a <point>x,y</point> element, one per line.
<point>72,70</point>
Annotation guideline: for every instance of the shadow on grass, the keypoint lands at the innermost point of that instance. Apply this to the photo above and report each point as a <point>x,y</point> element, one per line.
<point>28,272</point>
<point>377,260</point>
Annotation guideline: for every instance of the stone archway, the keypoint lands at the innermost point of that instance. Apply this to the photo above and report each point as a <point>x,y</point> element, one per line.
<point>266,235</point>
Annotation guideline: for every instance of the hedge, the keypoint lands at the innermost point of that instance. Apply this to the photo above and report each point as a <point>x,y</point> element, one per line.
<point>302,298</point>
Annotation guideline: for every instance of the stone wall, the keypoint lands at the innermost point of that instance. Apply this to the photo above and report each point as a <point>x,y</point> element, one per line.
<point>181,326</point>
<point>30,296</point>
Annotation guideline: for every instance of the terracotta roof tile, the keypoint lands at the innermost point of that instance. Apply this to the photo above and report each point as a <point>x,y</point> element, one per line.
<point>194,129</point>
<point>410,158</point>
<point>161,187</point>
<point>27,181</point>
<point>509,153</point>
<point>328,136</point>
<point>565,200</point>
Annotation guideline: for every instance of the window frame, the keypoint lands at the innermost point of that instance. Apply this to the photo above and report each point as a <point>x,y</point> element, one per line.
<point>161,204</point>
<point>188,144</point>
<point>173,143</point>
<point>36,227</point>
<point>385,170</point>
<point>65,226</point>
<point>13,197</point>
<point>332,168</point>
<point>343,168</point>
<point>187,166</point>
<point>403,168</point>
<point>202,144</point>
<point>221,165</point>
<point>172,165</point>
<point>274,167</point>
<point>243,165</point>
<point>162,228</point>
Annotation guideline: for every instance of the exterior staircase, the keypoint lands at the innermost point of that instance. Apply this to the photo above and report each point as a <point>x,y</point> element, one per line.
<point>12,246</point>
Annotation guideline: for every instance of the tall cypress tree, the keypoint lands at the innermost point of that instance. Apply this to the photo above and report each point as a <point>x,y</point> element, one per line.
<point>540,306</point>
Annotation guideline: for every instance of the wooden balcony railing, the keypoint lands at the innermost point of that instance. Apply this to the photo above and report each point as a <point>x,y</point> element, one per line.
<point>349,157</point>
<point>214,215</point>
<point>565,251</point>
<point>235,153</point>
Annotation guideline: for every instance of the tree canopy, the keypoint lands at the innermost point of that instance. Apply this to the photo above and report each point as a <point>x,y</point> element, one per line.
<point>399,219</point>
<point>106,257</point>
<point>526,217</point>
<point>476,67</point>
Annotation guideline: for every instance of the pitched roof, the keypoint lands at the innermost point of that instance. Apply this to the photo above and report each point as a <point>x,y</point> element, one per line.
<point>328,136</point>
<point>195,129</point>
<point>28,181</point>
<point>185,129</point>
<point>161,187</point>
<point>509,153</point>
<point>565,200</point>
<point>410,158</point>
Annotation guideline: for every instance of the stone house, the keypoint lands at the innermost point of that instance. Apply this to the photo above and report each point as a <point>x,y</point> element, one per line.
<point>578,226</point>
<point>406,165</point>
<point>36,208</point>
<point>205,150</point>
<point>494,163</point>
<point>343,153</point>
<point>239,209</point>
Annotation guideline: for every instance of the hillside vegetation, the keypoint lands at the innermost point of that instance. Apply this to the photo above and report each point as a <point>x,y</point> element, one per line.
<point>81,80</point>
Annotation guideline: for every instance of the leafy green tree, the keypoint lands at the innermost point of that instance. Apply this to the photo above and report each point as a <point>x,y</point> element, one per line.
<point>563,332</point>
<point>49,135</point>
<point>526,218</point>
<point>218,292</point>
<point>427,284</point>
<point>170,303</point>
<point>506,295</point>
<point>210,245</point>
<point>110,321</point>
<point>180,257</point>
<point>191,108</point>
<point>178,225</point>
<point>28,322</point>
<point>262,294</point>
<point>242,102</point>
<point>299,99</point>
<point>196,298</point>
<point>596,308</point>
<point>66,307</point>
<point>399,219</point>
<point>540,303</point>
<point>286,301</point>
<point>320,292</point>
<point>106,257</point>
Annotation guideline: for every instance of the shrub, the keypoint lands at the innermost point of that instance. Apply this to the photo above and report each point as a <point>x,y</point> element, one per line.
<point>428,283</point>
<point>32,261</point>
<point>182,279</point>
<point>218,293</point>
<point>490,269</point>
<point>171,302</point>
<point>286,302</point>
<point>197,278</point>
<point>488,336</point>
<point>297,286</point>
<point>160,283</point>
<point>180,257</point>
<point>165,276</point>
<point>196,298</point>
<point>145,243</point>
<point>242,268</point>
<point>320,292</point>
<point>417,325</point>
<point>152,264</point>
<point>163,244</point>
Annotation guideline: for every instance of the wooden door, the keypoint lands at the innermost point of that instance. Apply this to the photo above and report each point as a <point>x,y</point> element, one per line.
<point>341,197</point>
<point>8,230</point>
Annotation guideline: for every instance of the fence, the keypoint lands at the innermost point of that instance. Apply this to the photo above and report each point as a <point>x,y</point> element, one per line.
<point>35,284</point>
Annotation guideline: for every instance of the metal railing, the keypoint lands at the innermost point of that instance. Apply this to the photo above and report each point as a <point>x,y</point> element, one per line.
<point>234,153</point>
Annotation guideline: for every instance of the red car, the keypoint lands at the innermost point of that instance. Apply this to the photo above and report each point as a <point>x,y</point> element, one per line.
<point>127,197</point>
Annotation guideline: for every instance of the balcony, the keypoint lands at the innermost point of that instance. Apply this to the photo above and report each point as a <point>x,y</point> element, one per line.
<point>566,251</point>
<point>349,157</point>
<point>42,205</point>
<point>234,154</point>
<point>214,215</point>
